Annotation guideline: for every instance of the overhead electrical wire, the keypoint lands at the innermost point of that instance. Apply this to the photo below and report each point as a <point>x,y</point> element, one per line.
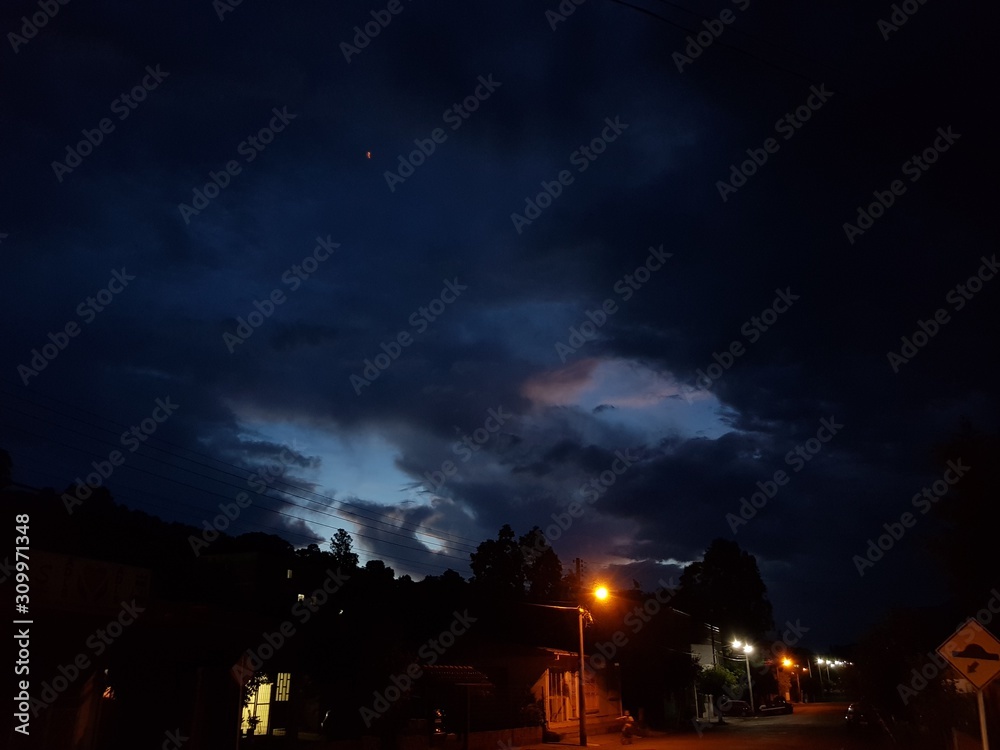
<point>451,542</point>
<point>448,537</point>
<point>443,536</point>
<point>173,504</point>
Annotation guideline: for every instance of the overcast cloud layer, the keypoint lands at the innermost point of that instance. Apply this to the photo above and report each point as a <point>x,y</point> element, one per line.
<point>463,300</point>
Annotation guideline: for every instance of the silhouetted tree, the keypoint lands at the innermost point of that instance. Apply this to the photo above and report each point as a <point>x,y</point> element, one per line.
<point>309,552</point>
<point>541,566</point>
<point>717,681</point>
<point>725,589</point>
<point>965,545</point>
<point>341,545</point>
<point>892,653</point>
<point>259,541</point>
<point>378,569</point>
<point>509,567</point>
<point>498,565</point>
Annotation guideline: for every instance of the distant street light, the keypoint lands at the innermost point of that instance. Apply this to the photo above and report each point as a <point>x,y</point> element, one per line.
<point>829,680</point>
<point>832,663</point>
<point>747,648</point>
<point>793,668</point>
<point>827,662</point>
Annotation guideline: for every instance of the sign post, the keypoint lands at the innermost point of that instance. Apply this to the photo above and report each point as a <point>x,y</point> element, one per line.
<point>975,653</point>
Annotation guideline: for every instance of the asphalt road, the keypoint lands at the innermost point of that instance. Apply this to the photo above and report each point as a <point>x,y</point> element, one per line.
<point>814,726</point>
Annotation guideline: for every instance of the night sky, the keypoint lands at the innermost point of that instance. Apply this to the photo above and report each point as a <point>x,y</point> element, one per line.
<point>449,266</point>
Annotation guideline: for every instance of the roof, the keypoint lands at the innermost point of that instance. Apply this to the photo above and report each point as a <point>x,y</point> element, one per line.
<point>452,674</point>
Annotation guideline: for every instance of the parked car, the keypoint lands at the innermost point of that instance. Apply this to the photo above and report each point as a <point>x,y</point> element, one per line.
<point>775,706</point>
<point>735,708</point>
<point>862,715</point>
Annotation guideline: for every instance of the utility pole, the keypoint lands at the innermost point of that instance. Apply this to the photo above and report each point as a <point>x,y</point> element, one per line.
<point>581,699</point>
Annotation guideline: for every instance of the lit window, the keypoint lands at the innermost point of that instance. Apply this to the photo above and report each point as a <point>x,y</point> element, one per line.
<point>284,683</point>
<point>256,714</point>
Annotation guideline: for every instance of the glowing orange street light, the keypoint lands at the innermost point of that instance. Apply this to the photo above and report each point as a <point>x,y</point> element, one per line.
<point>582,613</point>
<point>788,664</point>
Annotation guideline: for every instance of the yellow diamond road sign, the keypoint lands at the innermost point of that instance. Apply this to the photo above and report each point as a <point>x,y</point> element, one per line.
<point>974,652</point>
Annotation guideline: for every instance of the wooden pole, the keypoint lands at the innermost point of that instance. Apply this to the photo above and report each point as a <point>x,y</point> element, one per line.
<point>982,719</point>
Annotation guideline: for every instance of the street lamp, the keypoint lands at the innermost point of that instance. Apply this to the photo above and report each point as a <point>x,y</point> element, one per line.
<point>580,685</point>
<point>829,680</point>
<point>793,668</point>
<point>582,613</point>
<point>828,663</point>
<point>835,663</point>
<point>747,648</point>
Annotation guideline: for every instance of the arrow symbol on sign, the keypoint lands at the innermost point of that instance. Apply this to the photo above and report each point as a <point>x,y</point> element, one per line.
<point>973,667</point>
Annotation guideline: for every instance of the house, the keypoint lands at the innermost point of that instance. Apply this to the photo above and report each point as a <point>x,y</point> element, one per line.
<point>543,685</point>
<point>132,638</point>
<point>558,688</point>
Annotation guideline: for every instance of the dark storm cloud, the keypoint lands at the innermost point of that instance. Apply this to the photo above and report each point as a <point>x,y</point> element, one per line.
<point>492,347</point>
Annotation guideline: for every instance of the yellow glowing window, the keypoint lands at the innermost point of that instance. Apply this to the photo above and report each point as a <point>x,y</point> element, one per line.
<point>257,714</point>
<point>284,683</point>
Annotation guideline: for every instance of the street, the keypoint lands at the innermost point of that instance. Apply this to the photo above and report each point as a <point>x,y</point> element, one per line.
<point>814,726</point>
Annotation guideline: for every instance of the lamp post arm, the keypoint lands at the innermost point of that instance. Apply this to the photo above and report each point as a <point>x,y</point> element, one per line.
<point>565,608</point>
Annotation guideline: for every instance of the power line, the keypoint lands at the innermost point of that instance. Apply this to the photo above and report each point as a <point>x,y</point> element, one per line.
<point>173,504</point>
<point>448,536</point>
<point>453,540</point>
<point>199,489</point>
<point>226,497</point>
